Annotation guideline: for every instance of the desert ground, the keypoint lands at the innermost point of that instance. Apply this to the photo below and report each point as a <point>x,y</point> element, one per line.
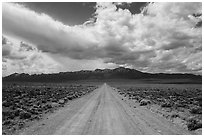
<point>105,108</point>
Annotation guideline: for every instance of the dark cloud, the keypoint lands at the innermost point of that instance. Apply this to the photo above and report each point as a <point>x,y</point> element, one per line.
<point>176,44</point>
<point>133,7</point>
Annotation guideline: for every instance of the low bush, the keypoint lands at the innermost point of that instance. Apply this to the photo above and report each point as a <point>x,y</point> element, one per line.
<point>25,115</point>
<point>196,110</point>
<point>144,102</point>
<point>28,101</point>
<point>174,115</point>
<point>167,105</point>
<point>194,124</point>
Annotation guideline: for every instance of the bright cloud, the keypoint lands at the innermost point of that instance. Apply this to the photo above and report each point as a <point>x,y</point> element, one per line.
<point>162,38</point>
<point>23,58</point>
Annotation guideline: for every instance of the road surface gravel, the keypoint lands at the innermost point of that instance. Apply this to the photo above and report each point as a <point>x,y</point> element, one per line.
<point>103,112</point>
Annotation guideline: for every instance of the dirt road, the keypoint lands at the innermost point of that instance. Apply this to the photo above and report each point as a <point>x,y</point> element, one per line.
<point>103,112</point>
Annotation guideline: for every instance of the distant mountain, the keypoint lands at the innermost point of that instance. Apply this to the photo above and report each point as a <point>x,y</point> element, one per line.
<point>99,74</point>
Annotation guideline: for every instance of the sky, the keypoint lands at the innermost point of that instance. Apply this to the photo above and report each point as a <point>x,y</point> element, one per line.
<point>75,13</point>
<point>58,37</point>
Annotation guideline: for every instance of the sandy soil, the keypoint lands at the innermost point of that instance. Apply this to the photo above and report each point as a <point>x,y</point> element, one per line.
<point>104,112</point>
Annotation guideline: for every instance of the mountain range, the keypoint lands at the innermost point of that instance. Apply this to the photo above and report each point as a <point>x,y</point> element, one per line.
<point>100,74</point>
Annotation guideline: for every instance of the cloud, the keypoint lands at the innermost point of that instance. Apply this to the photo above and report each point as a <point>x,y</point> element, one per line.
<point>6,50</point>
<point>4,40</point>
<point>25,47</point>
<point>159,39</point>
<point>82,64</point>
<point>23,58</point>
<point>43,31</point>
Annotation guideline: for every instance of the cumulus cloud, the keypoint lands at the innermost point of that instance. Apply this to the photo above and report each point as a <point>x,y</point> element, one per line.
<point>159,39</point>
<point>147,37</point>
<point>23,58</point>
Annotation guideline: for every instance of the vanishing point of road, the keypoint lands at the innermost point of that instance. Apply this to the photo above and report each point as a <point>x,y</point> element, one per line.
<point>102,112</point>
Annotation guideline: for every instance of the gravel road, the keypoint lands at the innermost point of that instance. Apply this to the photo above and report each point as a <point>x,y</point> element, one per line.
<point>103,112</point>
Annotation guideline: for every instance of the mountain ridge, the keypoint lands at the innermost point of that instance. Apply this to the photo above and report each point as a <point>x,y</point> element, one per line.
<point>117,73</point>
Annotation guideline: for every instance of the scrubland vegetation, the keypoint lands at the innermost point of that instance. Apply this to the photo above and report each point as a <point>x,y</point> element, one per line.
<point>180,102</point>
<point>26,102</point>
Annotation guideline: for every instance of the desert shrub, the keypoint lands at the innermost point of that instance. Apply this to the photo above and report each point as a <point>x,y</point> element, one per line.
<point>196,110</point>
<point>137,98</point>
<point>6,122</point>
<point>28,101</point>
<point>53,104</point>
<point>144,102</point>
<point>61,101</point>
<point>49,106</point>
<point>167,104</point>
<point>8,114</point>
<point>174,115</point>
<point>17,111</point>
<point>24,115</point>
<point>194,124</point>
<point>33,111</point>
<point>6,103</point>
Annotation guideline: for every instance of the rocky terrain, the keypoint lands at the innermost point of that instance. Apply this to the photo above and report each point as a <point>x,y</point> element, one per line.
<point>24,102</point>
